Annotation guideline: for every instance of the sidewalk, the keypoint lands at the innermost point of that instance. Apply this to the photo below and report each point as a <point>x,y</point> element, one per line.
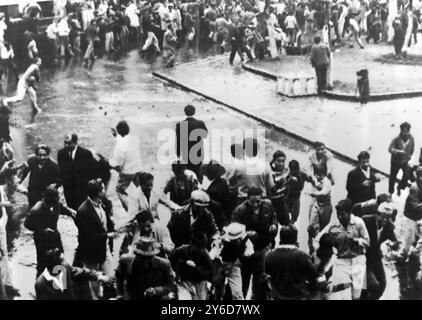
<point>384,78</point>
<point>343,126</point>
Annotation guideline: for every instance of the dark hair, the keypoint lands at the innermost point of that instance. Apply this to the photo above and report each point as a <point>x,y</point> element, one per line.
<point>94,188</point>
<point>405,125</point>
<point>345,205</point>
<point>288,234</point>
<point>294,165</point>
<point>319,170</point>
<point>364,155</point>
<point>317,39</point>
<point>42,147</point>
<point>74,138</point>
<point>278,154</point>
<point>144,216</point>
<point>254,191</point>
<point>50,194</point>
<point>178,166</point>
<point>144,177</point>
<point>318,144</point>
<point>122,128</point>
<point>189,110</point>
<point>247,143</point>
<point>383,197</point>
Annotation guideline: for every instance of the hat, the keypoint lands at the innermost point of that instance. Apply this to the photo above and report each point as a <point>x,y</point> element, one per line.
<point>146,247</point>
<point>213,168</point>
<point>386,208</point>
<point>200,198</point>
<point>234,231</point>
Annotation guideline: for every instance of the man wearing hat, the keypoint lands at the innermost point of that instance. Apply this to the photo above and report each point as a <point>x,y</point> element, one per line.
<point>350,237</point>
<point>218,190</point>
<point>380,228</point>
<point>193,267</point>
<point>195,216</point>
<point>361,180</point>
<point>226,259</point>
<point>147,276</point>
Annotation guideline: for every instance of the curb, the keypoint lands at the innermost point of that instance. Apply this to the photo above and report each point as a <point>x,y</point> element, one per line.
<point>342,96</point>
<point>181,86</point>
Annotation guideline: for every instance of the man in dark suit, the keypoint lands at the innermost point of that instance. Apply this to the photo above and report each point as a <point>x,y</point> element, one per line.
<point>42,220</point>
<point>95,227</point>
<point>320,59</point>
<point>190,134</point>
<point>195,216</point>
<point>361,180</point>
<point>76,166</point>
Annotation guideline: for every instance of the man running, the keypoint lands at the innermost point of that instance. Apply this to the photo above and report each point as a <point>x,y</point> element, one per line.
<point>26,85</point>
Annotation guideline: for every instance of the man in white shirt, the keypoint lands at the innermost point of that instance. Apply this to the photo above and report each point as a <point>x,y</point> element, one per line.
<point>26,85</point>
<point>126,159</point>
<point>52,33</point>
<point>63,31</point>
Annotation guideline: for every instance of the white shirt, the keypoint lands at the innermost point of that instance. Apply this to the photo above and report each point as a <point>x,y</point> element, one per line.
<point>290,22</point>
<point>127,154</point>
<point>133,17</point>
<point>74,152</point>
<point>52,31</point>
<point>63,28</point>
<point>366,172</point>
<point>57,280</point>
<point>3,28</point>
<point>101,214</point>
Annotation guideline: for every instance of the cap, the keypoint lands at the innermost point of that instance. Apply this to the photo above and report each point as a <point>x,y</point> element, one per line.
<point>200,198</point>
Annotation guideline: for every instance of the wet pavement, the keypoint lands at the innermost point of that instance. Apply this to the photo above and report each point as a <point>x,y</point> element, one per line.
<point>90,102</point>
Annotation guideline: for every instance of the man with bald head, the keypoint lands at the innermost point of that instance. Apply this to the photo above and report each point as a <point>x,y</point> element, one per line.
<point>76,165</point>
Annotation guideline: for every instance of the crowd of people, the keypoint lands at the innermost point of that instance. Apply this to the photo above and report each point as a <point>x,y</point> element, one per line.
<point>257,28</point>
<point>230,225</point>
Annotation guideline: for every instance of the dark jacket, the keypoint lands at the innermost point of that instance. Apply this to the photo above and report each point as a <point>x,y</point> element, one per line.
<point>259,223</point>
<point>142,275</point>
<point>413,205</point>
<point>40,179</point>
<point>45,289</point>
<point>184,144</point>
<point>292,273</point>
<point>358,192</point>
<point>201,272</point>
<point>92,237</point>
<point>39,218</point>
<point>75,174</point>
<point>373,252</point>
<point>397,145</point>
<point>180,226</point>
<point>218,191</point>
<point>320,55</point>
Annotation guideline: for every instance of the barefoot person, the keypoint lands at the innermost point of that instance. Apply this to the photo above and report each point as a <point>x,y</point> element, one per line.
<point>26,85</point>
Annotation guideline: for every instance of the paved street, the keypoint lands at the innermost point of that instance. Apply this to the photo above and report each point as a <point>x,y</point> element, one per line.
<point>91,102</point>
